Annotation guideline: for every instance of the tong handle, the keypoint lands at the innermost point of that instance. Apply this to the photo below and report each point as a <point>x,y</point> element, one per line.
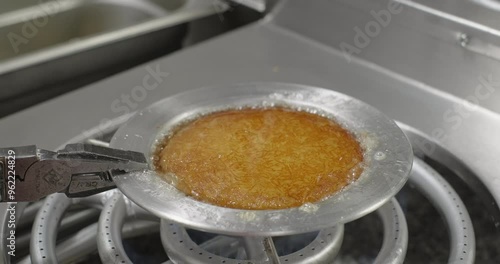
<point>29,174</point>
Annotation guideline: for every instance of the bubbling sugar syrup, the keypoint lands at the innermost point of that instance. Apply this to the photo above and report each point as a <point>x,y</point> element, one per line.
<point>229,181</point>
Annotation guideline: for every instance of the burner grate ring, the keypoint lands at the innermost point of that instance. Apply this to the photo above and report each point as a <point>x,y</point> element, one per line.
<point>83,243</point>
<point>112,225</point>
<point>44,231</point>
<point>182,249</point>
<point>109,230</point>
<point>395,241</point>
<point>323,249</point>
<point>48,221</point>
<point>448,203</point>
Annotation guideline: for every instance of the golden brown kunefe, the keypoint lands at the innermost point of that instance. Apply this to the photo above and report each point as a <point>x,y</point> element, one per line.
<point>268,158</point>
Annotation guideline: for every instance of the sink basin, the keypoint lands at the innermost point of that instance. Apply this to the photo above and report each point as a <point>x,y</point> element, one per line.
<point>69,26</point>
<point>52,41</point>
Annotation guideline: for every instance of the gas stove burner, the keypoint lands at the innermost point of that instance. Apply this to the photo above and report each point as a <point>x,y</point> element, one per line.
<point>112,228</point>
<point>322,249</point>
<point>181,248</point>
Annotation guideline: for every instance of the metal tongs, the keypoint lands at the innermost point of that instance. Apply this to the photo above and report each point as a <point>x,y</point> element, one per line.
<point>29,173</point>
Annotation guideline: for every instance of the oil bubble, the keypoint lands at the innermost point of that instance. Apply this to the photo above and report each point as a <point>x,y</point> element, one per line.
<point>379,155</point>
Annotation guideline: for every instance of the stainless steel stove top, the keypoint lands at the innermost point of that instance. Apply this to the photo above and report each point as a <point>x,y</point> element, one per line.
<point>435,69</point>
